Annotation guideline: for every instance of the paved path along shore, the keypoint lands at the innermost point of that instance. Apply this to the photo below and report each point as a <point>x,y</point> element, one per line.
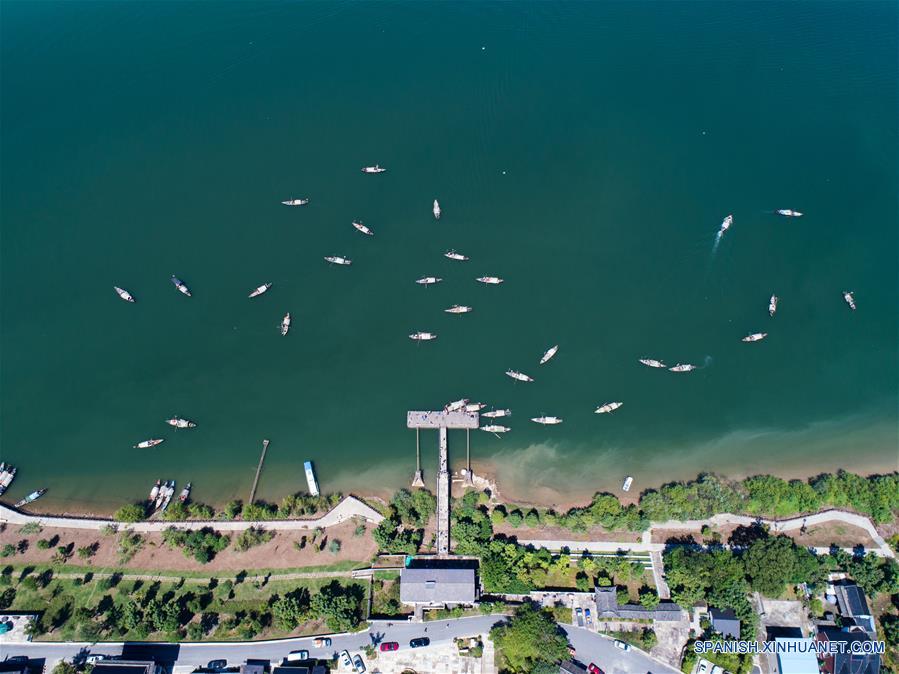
<point>347,509</point>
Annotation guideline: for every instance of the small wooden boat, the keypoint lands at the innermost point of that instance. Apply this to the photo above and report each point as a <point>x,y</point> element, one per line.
<point>428,280</point>
<point>549,353</point>
<point>628,481</point>
<point>124,294</point>
<point>725,225</point>
<point>495,428</point>
<point>33,496</point>
<point>453,255</point>
<point>7,473</point>
<point>652,362</point>
<point>170,492</point>
<point>362,228</point>
<point>458,309</point>
<point>755,337</point>
<point>285,324</point>
<point>682,367</point>
<point>474,407</point>
<point>146,444</point>
<point>788,212</point>
<point>154,492</point>
<point>456,405</point>
<point>422,336</point>
<point>295,202</point>
<point>850,299</point>
<point>436,210</point>
<point>547,421</point>
<point>178,422</point>
<point>261,289</point>
<point>493,414</point>
<point>185,493</point>
<point>489,280</point>
<point>772,305</point>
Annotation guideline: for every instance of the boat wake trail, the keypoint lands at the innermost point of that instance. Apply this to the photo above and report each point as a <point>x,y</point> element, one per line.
<point>706,362</point>
<point>717,241</point>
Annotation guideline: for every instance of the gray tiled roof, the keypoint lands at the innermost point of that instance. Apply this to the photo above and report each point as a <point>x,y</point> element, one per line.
<point>607,606</point>
<point>851,600</point>
<point>725,622</point>
<point>437,586</point>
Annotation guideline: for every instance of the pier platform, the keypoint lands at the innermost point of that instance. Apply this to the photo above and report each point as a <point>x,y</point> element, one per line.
<point>435,420</point>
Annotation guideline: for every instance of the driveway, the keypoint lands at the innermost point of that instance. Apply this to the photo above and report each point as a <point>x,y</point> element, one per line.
<point>592,647</point>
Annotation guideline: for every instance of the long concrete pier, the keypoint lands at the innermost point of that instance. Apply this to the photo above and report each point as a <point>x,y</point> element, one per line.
<point>258,471</point>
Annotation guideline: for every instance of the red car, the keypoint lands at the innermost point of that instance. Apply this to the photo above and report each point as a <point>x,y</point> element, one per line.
<point>390,646</point>
<point>593,669</point>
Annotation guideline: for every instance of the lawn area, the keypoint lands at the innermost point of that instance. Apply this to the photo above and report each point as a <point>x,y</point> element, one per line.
<point>386,598</point>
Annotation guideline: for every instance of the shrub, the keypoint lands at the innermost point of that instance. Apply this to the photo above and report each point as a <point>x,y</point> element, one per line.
<point>133,512</point>
<point>249,538</point>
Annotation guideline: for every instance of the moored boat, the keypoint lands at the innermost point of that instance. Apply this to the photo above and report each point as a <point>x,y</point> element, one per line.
<point>495,428</point>
<point>310,478</point>
<point>178,422</point>
<point>422,336</point>
<point>285,324</point>
<point>474,407</point>
<point>7,474</point>
<point>337,259</point>
<point>160,496</point>
<point>154,492</point>
<point>628,481</point>
<point>520,376</point>
<point>436,210</point>
<point>428,280</point>
<point>124,294</point>
<point>608,407</point>
<point>373,169</point>
<point>682,367</point>
<point>549,353</point>
<point>146,444</point>
<point>179,284</point>
<point>755,337</point>
<point>458,309</point>
<point>456,405</point>
<point>788,212</point>
<point>850,299</point>
<point>652,362</point>
<point>185,493</point>
<point>295,202</point>
<point>493,414</point>
<point>33,496</point>
<point>261,289</point>
<point>362,228</point>
<point>489,280</point>
<point>547,421</point>
<point>772,305</point>
<point>453,255</point>
<point>170,492</point>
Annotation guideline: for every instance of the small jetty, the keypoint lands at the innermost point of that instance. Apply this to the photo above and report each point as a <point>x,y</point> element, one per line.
<point>265,444</point>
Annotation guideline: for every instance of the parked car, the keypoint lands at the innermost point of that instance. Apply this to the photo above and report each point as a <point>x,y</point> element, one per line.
<point>94,659</point>
<point>295,656</point>
<point>580,616</point>
<point>322,642</point>
<point>593,669</point>
<point>623,646</point>
<point>420,642</point>
<point>390,646</point>
<point>345,659</point>
<point>216,664</point>
<point>589,618</point>
<point>358,665</point>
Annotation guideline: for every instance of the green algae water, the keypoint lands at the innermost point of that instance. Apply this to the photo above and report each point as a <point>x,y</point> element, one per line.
<point>584,152</point>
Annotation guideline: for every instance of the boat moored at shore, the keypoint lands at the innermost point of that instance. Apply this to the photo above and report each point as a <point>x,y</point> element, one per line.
<point>608,407</point>
<point>179,284</point>
<point>495,428</point>
<point>162,493</point>
<point>626,485</point>
<point>154,492</point>
<point>652,362</point>
<point>474,407</point>
<point>422,336</point>
<point>146,444</point>
<point>310,478</point>
<point>549,353</point>
<point>494,414</point>
<point>850,299</point>
<point>519,376</point>
<point>124,294</point>
<point>33,496</point>
<point>547,421</point>
<point>772,305</point>
<point>295,202</point>
<point>285,324</point>
<point>456,405</point>
<point>337,259</point>
<point>185,493</point>
<point>7,474</point>
<point>755,337</point>
<point>178,422</point>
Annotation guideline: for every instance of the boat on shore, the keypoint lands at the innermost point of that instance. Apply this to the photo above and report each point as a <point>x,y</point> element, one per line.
<point>489,280</point>
<point>185,493</point>
<point>788,212</point>
<point>295,202</point>
<point>549,353</point>
<point>146,444</point>
<point>850,299</point>
<point>652,362</point>
<point>725,225</point>
<point>261,289</point>
<point>495,414</point>
<point>7,474</point>
<point>362,228</point>
<point>124,294</point>
<point>377,168</point>
<point>628,481</point>
<point>179,284</point>
<point>170,492</point>
<point>161,494</point>
<point>285,324</point>
<point>422,336</point>
<point>608,407</point>
<point>310,478</point>
<point>495,428</point>
<point>455,406</point>
<point>453,255</point>
<point>428,280</point>
<point>772,305</point>
<point>755,337</point>
<point>178,422</point>
<point>337,259</point>
<point>520,376</point>
<point>154,492</point>
<point>436,210</point>
<point>33,496</point>
<point>474,407</point>
<point>682,367</point>
<point>458,309</point>
<point>547,421</point>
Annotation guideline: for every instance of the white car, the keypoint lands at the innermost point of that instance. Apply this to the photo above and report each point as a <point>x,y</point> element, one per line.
<point>345,659</point>
<point>358,665</point>
<point>620,644</point>
<point>94,659</point>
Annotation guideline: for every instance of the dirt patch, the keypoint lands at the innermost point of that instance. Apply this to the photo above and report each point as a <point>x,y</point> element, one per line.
<point>278,553</point>
<point>559,534</point>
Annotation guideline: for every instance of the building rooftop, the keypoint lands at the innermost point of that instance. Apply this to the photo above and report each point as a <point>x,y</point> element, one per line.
<point>607,606</point>
<point>725,622</point>
<point>437,586</point>
<point>569,667</point>
<point>847,663</point>
<point>851,600</point>
<point>798,658</point>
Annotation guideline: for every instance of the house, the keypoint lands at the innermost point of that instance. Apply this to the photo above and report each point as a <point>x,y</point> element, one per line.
<point>795,655</point>
<point>725,622</point>
<point>847,662</point>
<point>571,667</point>
<point>126,667</point>
<point>608,608</point>
<point>436,587</point>
<point>854,607</point>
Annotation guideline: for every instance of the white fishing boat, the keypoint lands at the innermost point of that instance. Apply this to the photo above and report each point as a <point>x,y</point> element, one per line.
<point>154,492</point>
<point>146,444</point>
<point>520,376</point>
<point>456,405</point>
<point>124,294</point>
<point>772,305</point>
<point>261,289</point>
<point>178,422</point>
<point>170,492</point>
<point>179,284</point>
<point>788,212</point>
<point>185,493</point>
<point>436,210</point>
<point>474,407</point>
<point>428,280</point>
<point>547,421</point>
<point>850,299</point>
<point>310,478</point>
<point>549,353</point>
<point>458,309</point>
<point>495,414</point>
<point>33,496</point>
<point>628,481</point>
<point>755,337</point>
<point>495,428</point>
<point>608,407</point>
<point>682,367</point>
<point>422,336</point>
<point>373,169</point>
<point>725,225</point>
<point>285,324</point>
<point>362,228</point>
<point>160,497</point>
<point>336,259</point>
<point>295,202</point>
<point>652,362</point>
<point>7,474</point>
<point>453,255</point>
<point>489,280</point>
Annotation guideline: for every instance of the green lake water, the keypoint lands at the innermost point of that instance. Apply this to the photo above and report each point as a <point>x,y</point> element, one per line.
<point>585,152</point>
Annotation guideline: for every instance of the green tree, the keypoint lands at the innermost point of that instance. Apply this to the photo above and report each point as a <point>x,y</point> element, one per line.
<point>133,512</point>
<point>529,640</point>
<point>8,550</point>
<point>64,667</point>
<point>291,610</point>
<point>770,565</point>
<point>340,606</point>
